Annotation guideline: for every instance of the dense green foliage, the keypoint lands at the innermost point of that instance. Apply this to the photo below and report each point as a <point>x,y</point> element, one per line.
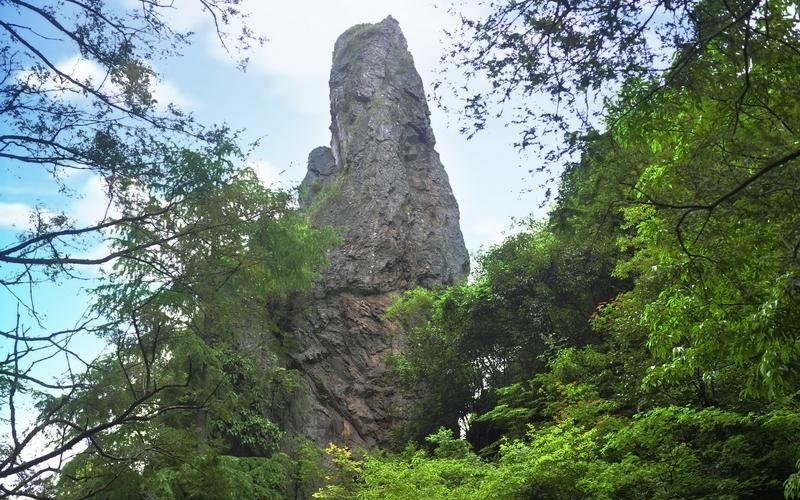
<point>642,342</point>
<point>79,99</point>
<point>185,337</point>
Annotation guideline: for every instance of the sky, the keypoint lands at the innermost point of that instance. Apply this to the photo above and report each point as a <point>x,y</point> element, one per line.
<point>282,100</point>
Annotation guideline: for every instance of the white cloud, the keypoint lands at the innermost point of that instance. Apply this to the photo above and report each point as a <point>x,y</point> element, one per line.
<point>298,60</point>
<point>92,205</point>
<point>166,92</point>
<point>100,251</point>
<point>267,173</point>
<point>83,70</point>
<point>181,15</point>
<point>296,53</point>
<point>15,215</point>
<point>75,67</point>
<point>491,230</point>
<point>92,74</point>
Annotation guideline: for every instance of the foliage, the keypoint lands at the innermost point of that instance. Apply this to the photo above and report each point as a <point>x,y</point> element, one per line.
<point>78,96</point>
<point>412,474</point>
<point>434,364</point>
<point>447,446</point>
<point>711,207</point>
<point>642,342</point>
<point>583,452</point>
<point>187,339</point>
<point>531,295</point>
<point>576,53</point>
<point>345,473</point>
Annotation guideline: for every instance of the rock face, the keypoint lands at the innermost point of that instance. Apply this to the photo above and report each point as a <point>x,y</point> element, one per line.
<point>382,183</point>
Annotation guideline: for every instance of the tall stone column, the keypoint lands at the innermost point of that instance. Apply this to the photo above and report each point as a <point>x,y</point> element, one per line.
<point>382,183</point>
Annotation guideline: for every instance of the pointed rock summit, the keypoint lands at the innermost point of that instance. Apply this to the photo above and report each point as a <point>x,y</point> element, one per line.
<point>382,177</point>
<point>382,183</point>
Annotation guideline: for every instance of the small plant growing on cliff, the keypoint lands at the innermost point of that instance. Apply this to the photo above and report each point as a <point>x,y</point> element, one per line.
<point>344,476</point>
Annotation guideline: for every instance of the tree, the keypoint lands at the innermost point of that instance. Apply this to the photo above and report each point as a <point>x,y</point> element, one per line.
<point>200,338</point>
<point>531,295</point>
<point>93,111</point>
<point>192,377</point>
<point>712,204</point>
<point>576,53</point>
<point>77,95</point>
<point>695,170</point>
<point>705,149</point>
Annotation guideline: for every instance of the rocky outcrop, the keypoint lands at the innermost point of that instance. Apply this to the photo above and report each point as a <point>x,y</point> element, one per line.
<point>382,183</point>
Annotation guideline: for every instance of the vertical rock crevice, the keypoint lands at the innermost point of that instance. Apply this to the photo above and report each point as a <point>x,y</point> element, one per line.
<point>382,183</point>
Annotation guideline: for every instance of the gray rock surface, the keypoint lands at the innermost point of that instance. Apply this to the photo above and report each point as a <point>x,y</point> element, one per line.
<point>321,170</point>
<point>382,183</point>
